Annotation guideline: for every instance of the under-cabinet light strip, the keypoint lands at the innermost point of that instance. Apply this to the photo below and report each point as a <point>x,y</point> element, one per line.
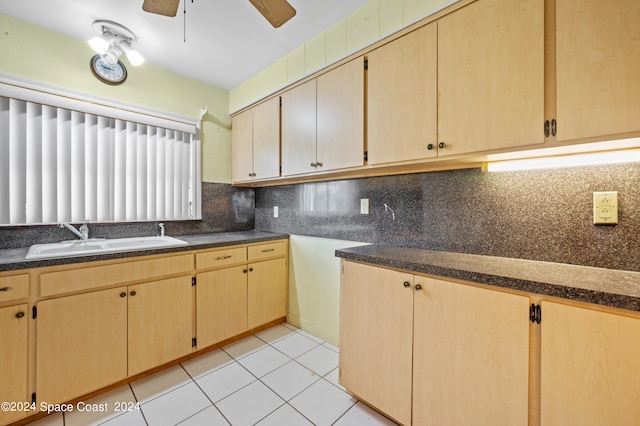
<point>590,159</point>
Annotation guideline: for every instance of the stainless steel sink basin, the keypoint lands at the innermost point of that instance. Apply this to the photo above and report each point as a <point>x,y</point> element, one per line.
<point>98,246</point>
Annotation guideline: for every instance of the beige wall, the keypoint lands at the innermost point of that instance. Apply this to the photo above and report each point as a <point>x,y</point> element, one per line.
<point>40,55</point>
<point>373,21</point>
<point>314,285</point>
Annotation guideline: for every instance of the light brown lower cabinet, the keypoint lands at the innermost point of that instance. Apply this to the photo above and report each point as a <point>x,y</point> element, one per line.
<point>590,367</point>
<point>426,351</point>
<point>266,291</point>
<point>13,359</point>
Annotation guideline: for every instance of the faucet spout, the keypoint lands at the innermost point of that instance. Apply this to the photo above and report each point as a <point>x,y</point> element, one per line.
<point>83,233</point>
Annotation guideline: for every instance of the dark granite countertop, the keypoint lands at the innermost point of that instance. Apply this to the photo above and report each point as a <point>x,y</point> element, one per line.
<point>608,287</point>
<point>14,259</point>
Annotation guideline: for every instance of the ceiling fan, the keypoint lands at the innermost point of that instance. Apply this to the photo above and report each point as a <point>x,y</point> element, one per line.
<point>277,12</point>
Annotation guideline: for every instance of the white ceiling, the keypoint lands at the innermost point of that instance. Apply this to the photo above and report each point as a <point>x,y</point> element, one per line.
<point>227,41</point>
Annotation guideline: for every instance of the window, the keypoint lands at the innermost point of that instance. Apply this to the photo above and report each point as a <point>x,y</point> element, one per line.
<point>61,164</point>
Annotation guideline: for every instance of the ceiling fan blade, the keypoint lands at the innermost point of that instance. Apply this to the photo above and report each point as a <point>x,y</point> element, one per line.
<point>277,12</point>
<point>161,7</point>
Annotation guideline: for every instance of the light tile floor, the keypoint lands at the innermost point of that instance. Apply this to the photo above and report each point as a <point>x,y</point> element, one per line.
<point>282,376</point>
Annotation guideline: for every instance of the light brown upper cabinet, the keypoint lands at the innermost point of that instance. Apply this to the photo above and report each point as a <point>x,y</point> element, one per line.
<point>597,68</point>
<point>402,98</point>
<point>323,122</point>
<point>256,142</point>
<point>491,76</point>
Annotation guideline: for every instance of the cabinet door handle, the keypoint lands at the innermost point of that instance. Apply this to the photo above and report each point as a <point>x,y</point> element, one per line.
<point>245,271</point>
<point>123,294</point>
<point>318,164</point>
<point>133,293</point>
<point>407,284</point>
<point>431,147</point>
<point>20,314</point>
<point>442,145</point>
<point>313,165</point>
<point>418,287</point>
<point>250,269</point>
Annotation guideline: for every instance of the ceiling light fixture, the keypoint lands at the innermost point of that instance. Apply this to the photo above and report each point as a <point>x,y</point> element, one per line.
<point>114,40</point>
<point>590,159</point>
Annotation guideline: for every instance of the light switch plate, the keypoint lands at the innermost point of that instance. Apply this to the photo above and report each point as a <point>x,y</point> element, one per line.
<point>605,208</point>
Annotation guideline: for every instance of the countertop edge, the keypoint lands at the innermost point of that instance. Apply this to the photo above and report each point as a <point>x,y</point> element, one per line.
<point>14,259</point>
<point>575,293</point>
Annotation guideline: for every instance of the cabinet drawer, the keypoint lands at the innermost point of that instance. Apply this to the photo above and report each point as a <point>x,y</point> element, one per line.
<point>60,282</point>
<point>213,259</point>
<point>262,251</point>
<point>14,287</point>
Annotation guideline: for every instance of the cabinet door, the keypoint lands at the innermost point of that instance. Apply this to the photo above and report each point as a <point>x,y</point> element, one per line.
<point>267,291</point>
<point>402,98</point>
<point>471,356</point>
<point>13,359</point>
<point>299,129</point>
<point>340,138</point>
<point>266,139</point>
<point>491,76</point>
<point>160,322</point>
<point>376,332</point>
<point>589,367</point>
<point>242,146</point>
<point>81,344</point>
<point>221,305</point>
<point>597,66</point>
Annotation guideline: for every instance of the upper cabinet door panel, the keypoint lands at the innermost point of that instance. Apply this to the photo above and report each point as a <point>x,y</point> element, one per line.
<point>402,98</point>
<point>242,146</point>
<point>266,139</point>
<point>299,129</point>
<point>340,137</point>
<point>491,76</point>
<point>598,67</point>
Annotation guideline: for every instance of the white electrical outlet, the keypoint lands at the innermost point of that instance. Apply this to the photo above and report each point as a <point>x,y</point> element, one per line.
<point>605,208</point>
<point>275,211</point>
<point>364,206</point>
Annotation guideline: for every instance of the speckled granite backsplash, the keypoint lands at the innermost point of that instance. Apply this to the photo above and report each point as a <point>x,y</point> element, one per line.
<point>541,215</point>
<point>224,209</point>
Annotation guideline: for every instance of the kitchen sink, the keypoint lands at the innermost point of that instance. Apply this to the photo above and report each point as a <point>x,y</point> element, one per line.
<point>100,245</point>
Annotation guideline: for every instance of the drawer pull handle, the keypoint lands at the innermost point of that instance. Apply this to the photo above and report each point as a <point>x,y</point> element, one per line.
<point>5,289</point>
<point>268,250</point>
<point>223,257</point>
<point>20,315</point>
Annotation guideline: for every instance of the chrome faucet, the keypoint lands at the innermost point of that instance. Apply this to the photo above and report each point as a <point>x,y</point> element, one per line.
<point>83,233</point>
<point>161,226</point>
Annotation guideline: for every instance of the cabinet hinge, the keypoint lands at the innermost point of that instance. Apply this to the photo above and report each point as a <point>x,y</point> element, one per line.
<point>193,281</point>
<point>547,130</point>
<point>535,313</point>
<point>194,342</point>
<point>34,312</point>
<point>366,156</point>
<point>33,398</point>
<point>280,101</point>
<point>366,64</point>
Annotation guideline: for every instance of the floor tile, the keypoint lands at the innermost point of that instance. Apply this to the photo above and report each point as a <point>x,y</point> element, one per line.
<point>330,346</point>
<point>208,417</point>
<point>333,378</point>
<point>224,381</point>
<point>311,336</point>
<point>160,383</point>
<point>56,419</point>
<point>244,347</point>
<point>250,404</point>
<point>290,379</point>
<point>264,361</point>
<point>206,363</point>
<point>360,414</point>
<point>284,416</point>
<point>320,360</point>
<point>101,408</point>
<point>175,406</point>
<point>273,334</point>
<point>130,418</point>
<point>294,345</point>
<point>322,403</point>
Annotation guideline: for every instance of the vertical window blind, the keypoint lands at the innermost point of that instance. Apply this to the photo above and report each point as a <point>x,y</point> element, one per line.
<point>63,165</point>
